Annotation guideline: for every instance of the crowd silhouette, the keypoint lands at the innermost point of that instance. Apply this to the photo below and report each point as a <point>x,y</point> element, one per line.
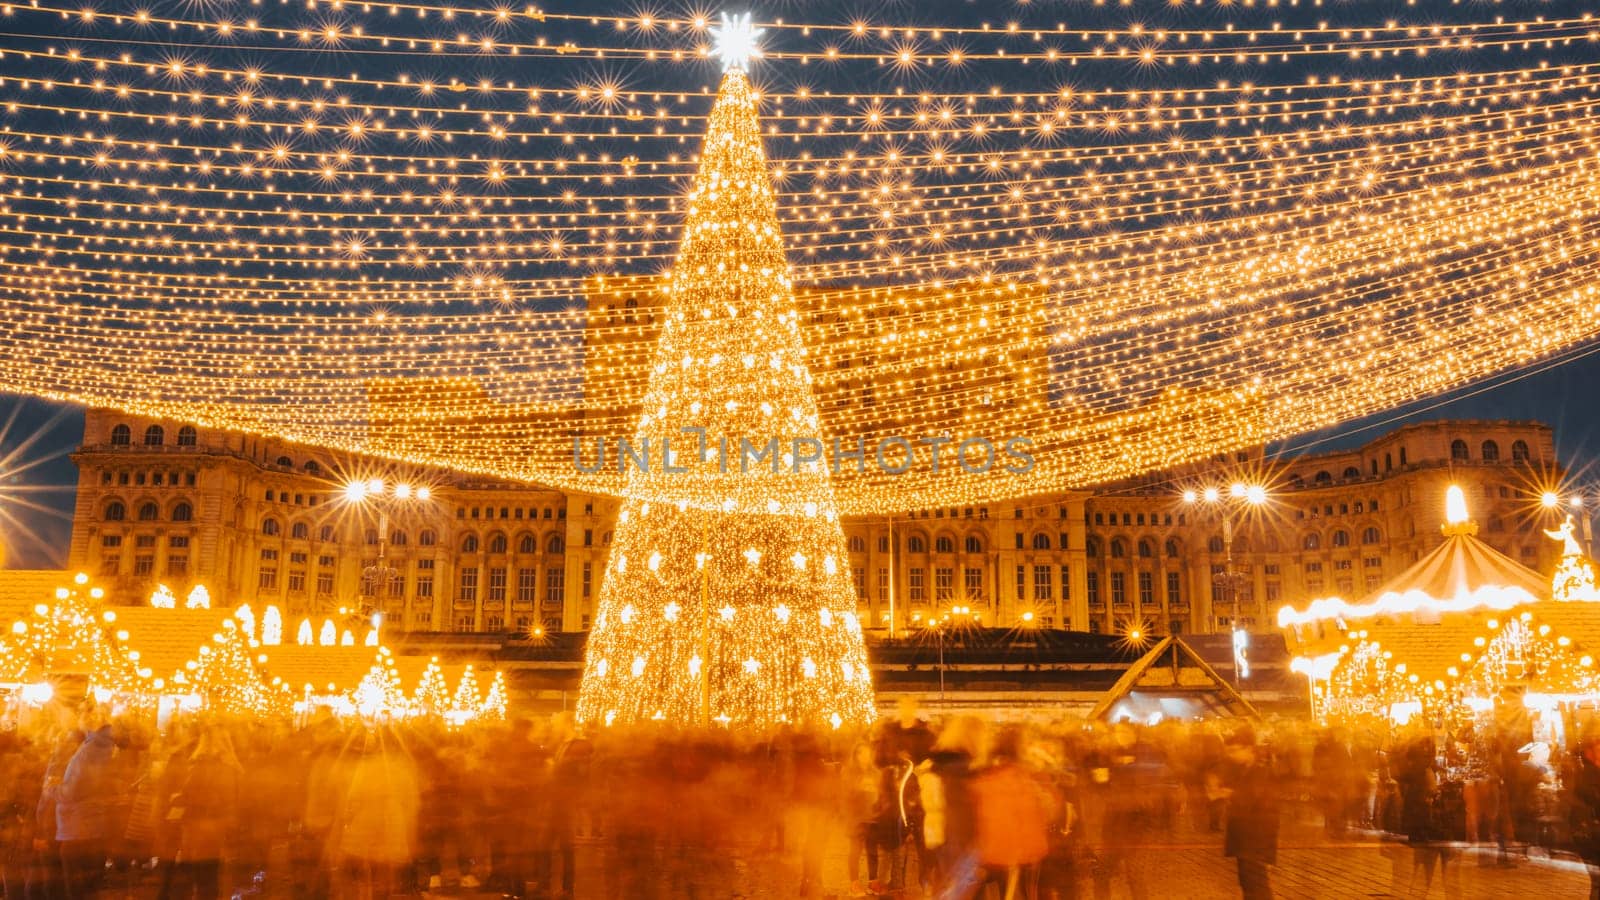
<point>954,809</point>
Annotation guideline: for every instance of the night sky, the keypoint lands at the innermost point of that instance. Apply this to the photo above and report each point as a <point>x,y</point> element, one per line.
<point>37,478</point>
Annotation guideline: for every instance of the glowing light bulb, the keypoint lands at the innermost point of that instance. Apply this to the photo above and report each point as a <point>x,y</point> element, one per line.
<point>1455,505</point>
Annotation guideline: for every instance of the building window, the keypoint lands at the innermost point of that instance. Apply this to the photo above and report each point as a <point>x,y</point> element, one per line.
<point>155,436</point>
<point>469,544</point>
<point>183,512</point>
<point>1458,451</point>
<point>555,544</point>
<point>110,565</point>
<point>555,585</point>
<point>464,623</point>
<point>527,586</point>
<point>859,575</point>
<point>121,436</point>
<point>427,538</point>
<point>1119,548</point>
<point>497,543</point>
<point>915,544</point>
<point>1174,588</point>
<point>468,590</point>
<point>944,545</point>
<point>883,584</point>
<point>149,512</point>
<point>267,579</point>
<point>1373,562</point>
<point>1066,583</point>
<point>1341,538</point>
<point>1119,588</point>
<point>178,566</point>
<point>297,582</point>
<point>1091,584</point>
<point>1041,583</point>
<point>944,583</point>
<point>424,582</point>
<point>269,527</point>
<point>1490,451</point>
<point>1370,536</point>
<point>497,586</point>
<point>1147,590</point>
<point>1519,451</point>
<point>1313,541</point>
<point>324,582</point>
<point>111,540</point>
<point>919,587</point>
<point>1022,583</point>
<point>588,579</point>
<point>972,583</point>
<point>144,564</point>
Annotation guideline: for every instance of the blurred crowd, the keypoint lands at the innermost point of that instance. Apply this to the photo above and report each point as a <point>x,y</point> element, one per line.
<point>955,809</point>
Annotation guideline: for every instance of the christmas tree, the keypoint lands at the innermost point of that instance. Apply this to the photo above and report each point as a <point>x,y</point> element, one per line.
<point>727,598</point>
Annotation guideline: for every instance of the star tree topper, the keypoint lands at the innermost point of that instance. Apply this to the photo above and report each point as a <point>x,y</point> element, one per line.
<point>736,42</point>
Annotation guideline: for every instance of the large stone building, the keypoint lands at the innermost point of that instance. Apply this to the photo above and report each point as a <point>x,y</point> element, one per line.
<point>259,520</point>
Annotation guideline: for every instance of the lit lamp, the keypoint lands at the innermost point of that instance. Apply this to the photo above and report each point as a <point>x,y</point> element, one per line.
<point>1238,497</point>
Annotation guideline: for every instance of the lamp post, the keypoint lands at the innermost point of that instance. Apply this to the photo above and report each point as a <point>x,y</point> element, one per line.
<point>382,498</point>
<point>1227,504</point>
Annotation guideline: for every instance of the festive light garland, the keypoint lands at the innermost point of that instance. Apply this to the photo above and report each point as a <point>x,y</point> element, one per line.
<point>1112,267</point>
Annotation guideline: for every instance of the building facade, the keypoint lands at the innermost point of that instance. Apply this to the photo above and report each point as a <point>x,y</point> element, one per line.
<point>258,520</point>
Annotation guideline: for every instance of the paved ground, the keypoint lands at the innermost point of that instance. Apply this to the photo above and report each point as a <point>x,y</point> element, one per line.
<point>1343,872</point>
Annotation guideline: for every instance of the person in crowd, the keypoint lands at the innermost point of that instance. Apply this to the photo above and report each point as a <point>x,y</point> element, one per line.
<point>1013,812</point>
<point>85,807</point>
<point>949,824</point>
<point>378,816</point>
<point>866,811</point>
<point>206,810</point>
<point>1417,774</point>
<point>1251,835</point>
<point>902,743</point>
<point>1583,807</point>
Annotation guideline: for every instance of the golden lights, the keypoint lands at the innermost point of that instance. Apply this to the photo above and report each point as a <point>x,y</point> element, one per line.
<point>731,619</point>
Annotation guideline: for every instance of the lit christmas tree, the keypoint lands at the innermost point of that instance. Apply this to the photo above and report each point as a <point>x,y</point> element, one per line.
<point>494,702</point>
<point>727,598</point>
<point>467,699</point>
<point>433,692</point>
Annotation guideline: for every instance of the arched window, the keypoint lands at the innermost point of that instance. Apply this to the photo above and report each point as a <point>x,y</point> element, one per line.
<point>155,436</point>
<point>1370,535</point>
<point>1295,481</point>
<point>1458,451</point>
<point>857,545</point>
<point>915,544</point>
<point>427,538</point>
<point>1313,541</point>
<point>325,533</point>
<point>469,544</point>
<point>497,543</point>
<point>115,511</point>
<point>269,526</point>
<point>397,538</point>
<point>300,531</point>
<point>1359,507</point>
<point>1490,451</point>
<point>630,313</point>
<point>372,537</point>
<point>1323,478</point>
<point>1341,538</point>
<point>1042,542</point>
<point>183,512</point>
<point>1091,547</point>
<point>312,468</point>
<point>943,544</point>
<point>1352,472</point>
<point>528,544</point>
<point>149,512</point>
<point>1119,548</point>
<point>1519,450</point>
<point>187,437</point>
<point>1172,548</point>
<point>286,462</point>
<point>1145,549</point>
<point>121,436</point>
<point>555,544</point>
<point>974,544</point>
<point>605,539</point>
<point>1214,544</point>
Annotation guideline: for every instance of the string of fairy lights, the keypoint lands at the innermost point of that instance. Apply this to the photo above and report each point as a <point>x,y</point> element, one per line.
<point>1133,233</point>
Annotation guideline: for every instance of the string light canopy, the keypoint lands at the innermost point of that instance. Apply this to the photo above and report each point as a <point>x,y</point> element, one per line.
<point>439,233</point>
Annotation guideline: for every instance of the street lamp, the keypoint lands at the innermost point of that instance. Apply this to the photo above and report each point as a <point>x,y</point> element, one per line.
<point>1240,497</point>
<point>375,494</point>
